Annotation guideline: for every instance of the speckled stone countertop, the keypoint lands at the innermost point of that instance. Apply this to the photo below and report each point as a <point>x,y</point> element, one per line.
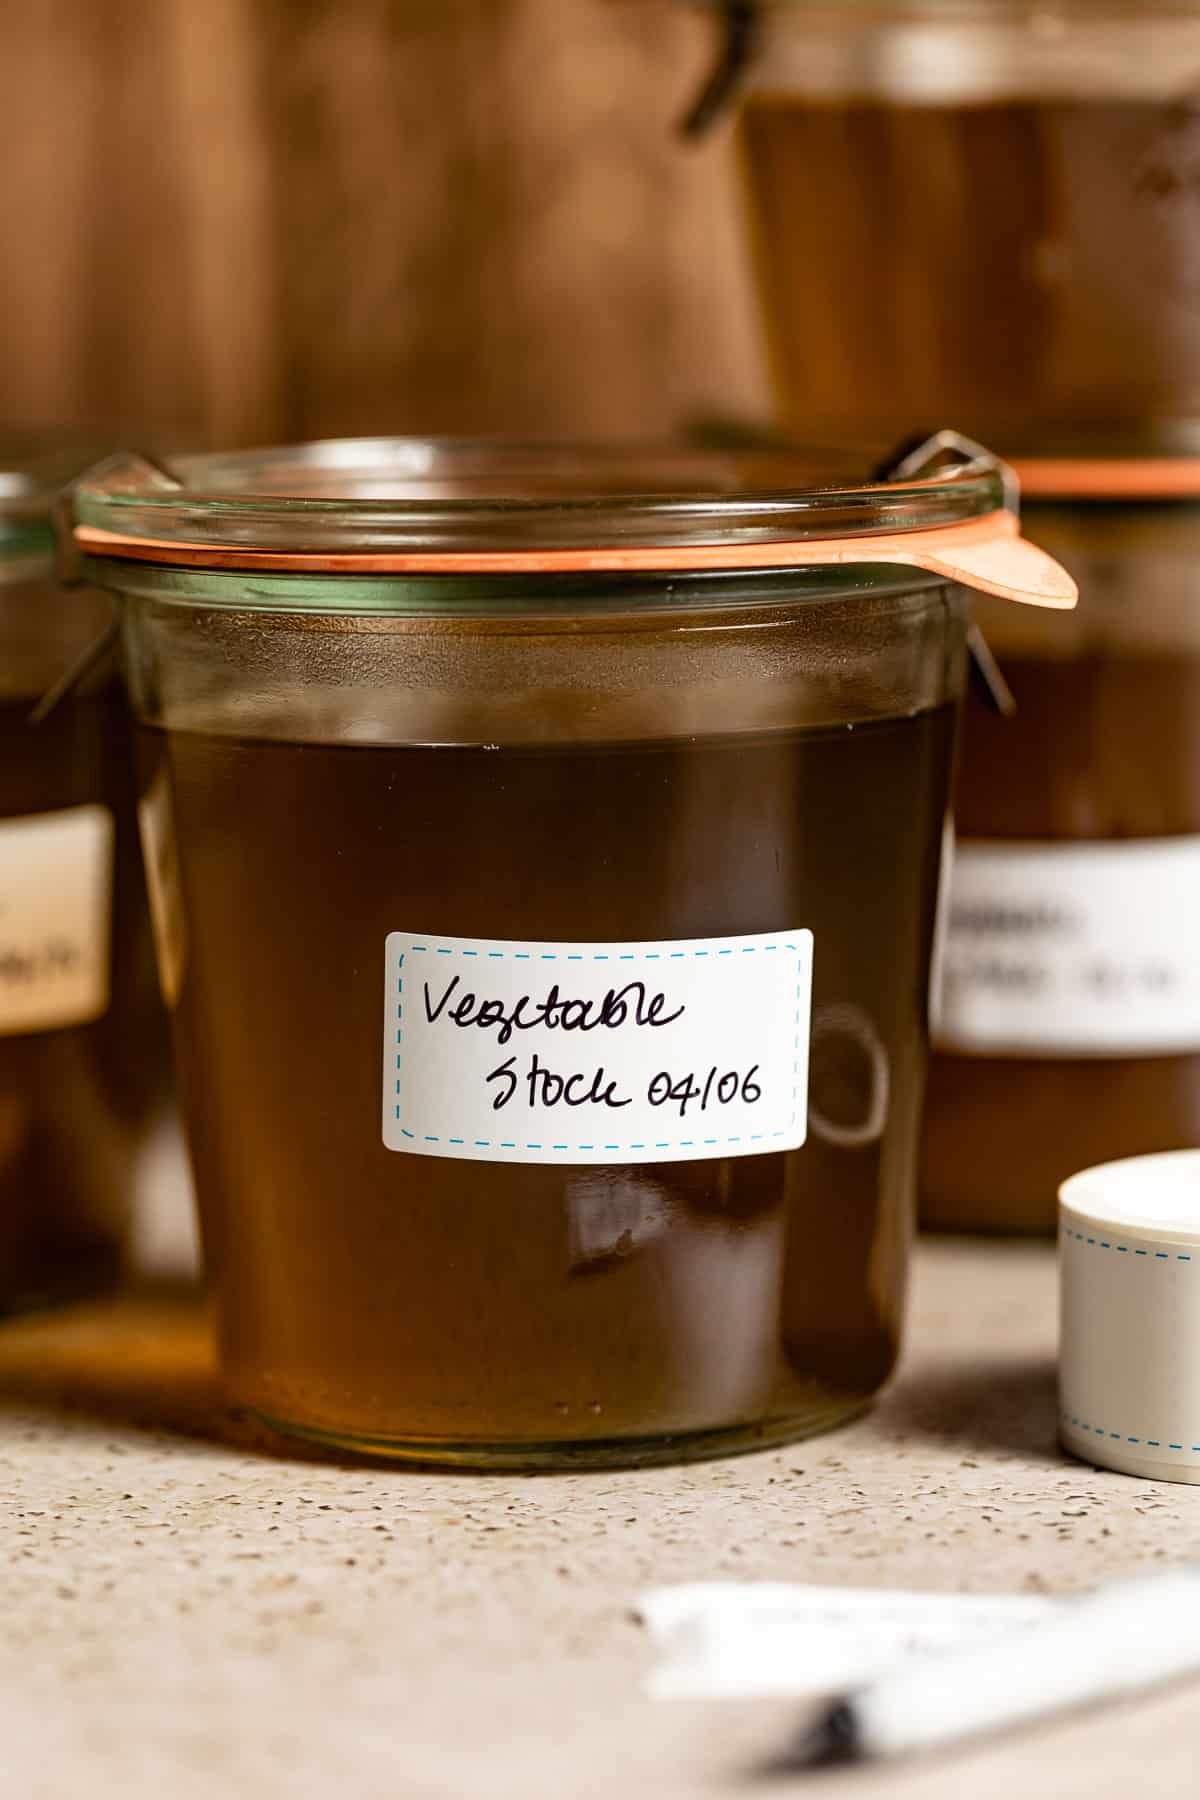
<point>191,1610</point>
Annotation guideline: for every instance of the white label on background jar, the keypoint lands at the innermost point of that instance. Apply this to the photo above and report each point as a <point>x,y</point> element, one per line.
<point>55,909</point>
<point>1072,949</point>
<point>673,1051</point>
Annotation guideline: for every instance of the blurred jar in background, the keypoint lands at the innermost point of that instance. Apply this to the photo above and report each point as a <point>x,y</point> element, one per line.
<point>82,1056</point>
<point>1067,1022</point>
<point>983,210</point>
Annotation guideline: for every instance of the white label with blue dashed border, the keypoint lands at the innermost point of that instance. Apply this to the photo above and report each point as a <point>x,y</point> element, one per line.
<point>673,1051</point>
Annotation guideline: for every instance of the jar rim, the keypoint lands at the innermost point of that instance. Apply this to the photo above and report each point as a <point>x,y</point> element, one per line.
<point>432,497</point>
<point>466,507</point>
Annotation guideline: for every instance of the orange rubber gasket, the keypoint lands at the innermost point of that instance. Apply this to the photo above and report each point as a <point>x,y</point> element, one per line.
<point>1105,478</point>
<point>987,553</point>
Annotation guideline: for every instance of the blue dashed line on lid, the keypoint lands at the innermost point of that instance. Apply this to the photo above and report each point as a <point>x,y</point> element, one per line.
<point>1126,1437</point>
<point>1127,1249</point>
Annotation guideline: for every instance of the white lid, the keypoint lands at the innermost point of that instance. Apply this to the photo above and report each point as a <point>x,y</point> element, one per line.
<point>1155,1194</point>
<point>1129,1355</point>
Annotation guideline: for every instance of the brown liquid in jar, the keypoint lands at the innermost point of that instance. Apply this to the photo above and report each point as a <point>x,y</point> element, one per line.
<point>406,1302</point>
<point>1103,746</point>
<point>74,1101</point>
<point>984,265</point>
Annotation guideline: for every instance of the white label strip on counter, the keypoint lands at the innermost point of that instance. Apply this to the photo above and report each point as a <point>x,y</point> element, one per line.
<point>55,911</point>
<point>735,1640</point>
<point>1088,949</point>
<point>669,1051</point>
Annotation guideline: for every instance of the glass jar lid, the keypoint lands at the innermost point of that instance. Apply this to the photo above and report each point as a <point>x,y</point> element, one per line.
<point>411,506</point>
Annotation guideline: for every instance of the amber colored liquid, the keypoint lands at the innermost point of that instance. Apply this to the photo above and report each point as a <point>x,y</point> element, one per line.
<point>74,1102</point>
<point>412,1302</point>
<point>1104,747</point>
<point>980,266</point>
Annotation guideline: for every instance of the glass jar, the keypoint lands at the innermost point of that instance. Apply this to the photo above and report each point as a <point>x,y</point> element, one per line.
<point>83,1054</point>
<point>518,807</point>
<point>981,209</point>
<point>1070,1002</point>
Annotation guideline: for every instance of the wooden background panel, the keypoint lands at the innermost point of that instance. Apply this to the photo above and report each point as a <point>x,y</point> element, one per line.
<point>246,220</point>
